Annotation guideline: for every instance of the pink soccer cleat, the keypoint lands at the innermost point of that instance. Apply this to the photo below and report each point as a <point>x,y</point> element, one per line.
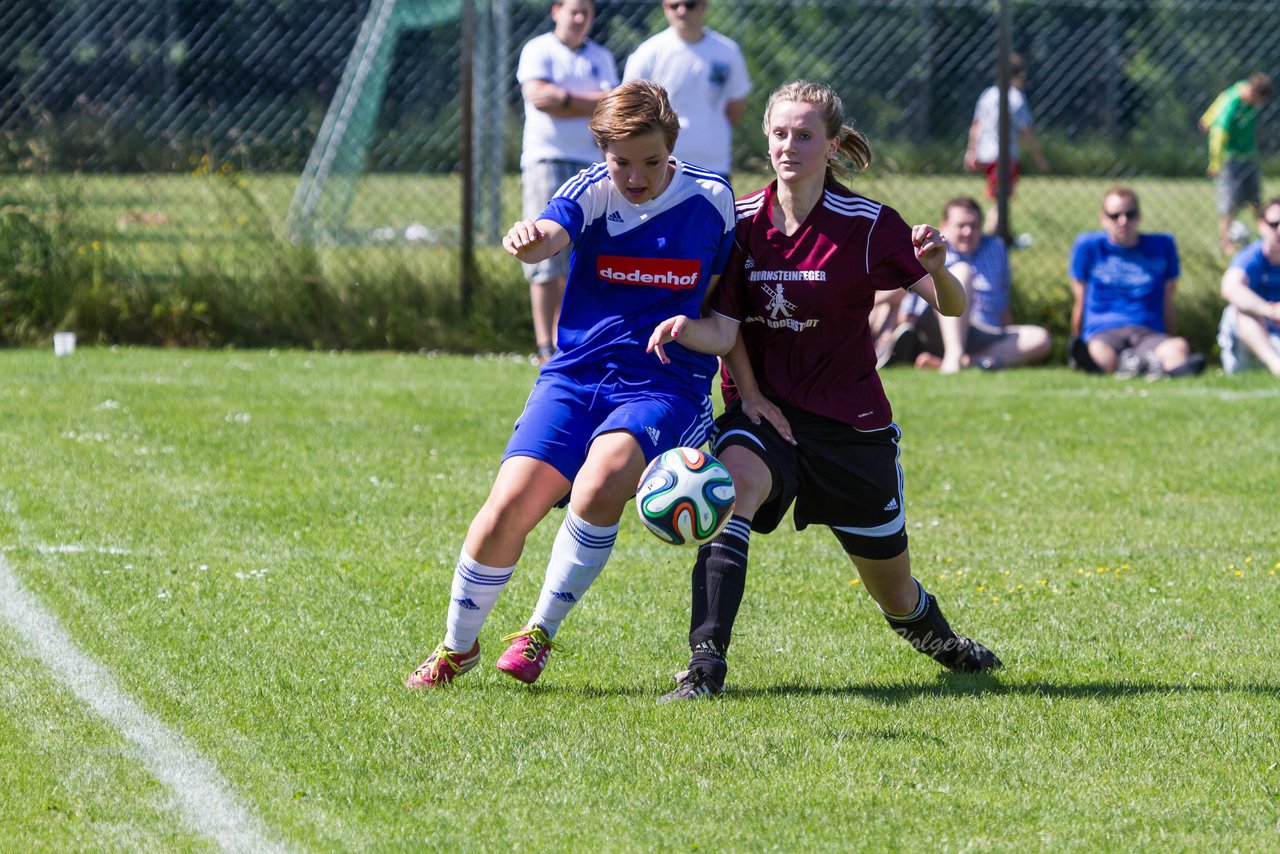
<point>441,668</point>
<point>527,655</point>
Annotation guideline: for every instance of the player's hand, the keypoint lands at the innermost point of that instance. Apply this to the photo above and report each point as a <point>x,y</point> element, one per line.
<point>522,237</point>
<point>759,407</point>
<point>931,247</point>
<point>665,332</point>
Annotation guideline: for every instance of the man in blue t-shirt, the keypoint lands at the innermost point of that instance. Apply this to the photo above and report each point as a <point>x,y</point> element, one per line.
<point>1250,327</point>
<point>1123,283</point>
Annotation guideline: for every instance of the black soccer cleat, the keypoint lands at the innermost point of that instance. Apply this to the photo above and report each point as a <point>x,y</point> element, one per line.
<point>973,657</point>
<point>694,684</point>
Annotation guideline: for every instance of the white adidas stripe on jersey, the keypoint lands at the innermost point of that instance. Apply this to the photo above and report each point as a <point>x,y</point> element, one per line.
<point>578,184</point>
<point>749,206</point>
<point>851,206</point>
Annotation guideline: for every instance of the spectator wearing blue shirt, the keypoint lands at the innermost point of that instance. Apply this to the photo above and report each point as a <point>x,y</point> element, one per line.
<point>1250,327</point>
<point>1123,282</point>
<point>984,336</point>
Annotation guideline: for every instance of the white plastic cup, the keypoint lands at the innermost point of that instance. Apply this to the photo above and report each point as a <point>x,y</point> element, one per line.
<point>64,343</point>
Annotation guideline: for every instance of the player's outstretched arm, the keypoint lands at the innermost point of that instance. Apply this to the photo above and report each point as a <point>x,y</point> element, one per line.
<point>532,242</point>
<point>754,404</point>
<point>712,335</point>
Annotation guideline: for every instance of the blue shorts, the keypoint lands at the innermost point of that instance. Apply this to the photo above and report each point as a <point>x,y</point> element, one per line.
<point>562,417</point>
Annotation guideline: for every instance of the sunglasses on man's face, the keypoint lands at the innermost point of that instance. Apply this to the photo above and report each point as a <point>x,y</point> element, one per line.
<point>690,5</point>
<point>1115,217</point>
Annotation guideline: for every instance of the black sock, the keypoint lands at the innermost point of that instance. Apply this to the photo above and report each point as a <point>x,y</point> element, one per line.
<point>929,633</point>
<point>719,581</point>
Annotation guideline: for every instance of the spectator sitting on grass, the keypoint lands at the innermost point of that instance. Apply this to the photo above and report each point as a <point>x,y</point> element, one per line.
<point>983,335</point>
<point>1123,283</point>
<point>1250,327</point>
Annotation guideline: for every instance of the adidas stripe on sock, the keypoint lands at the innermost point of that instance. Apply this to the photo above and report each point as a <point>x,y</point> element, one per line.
<point>475,590</point>
<point>577,558</point>
<point>719,581</point>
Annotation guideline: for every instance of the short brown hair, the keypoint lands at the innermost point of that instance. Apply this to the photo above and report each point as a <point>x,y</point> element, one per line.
<point>968,203</point>
<point>635,109</point>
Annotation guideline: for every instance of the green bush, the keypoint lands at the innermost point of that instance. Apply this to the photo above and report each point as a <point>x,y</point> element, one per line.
<point>55,274</point>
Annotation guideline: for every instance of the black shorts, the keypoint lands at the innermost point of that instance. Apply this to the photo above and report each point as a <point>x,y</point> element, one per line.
<point>837,476</point>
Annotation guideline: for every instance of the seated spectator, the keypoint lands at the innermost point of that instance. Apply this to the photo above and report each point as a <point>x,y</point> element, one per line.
<point>1123,283</point>
<point>1250,327</point>
<point>983,335</point>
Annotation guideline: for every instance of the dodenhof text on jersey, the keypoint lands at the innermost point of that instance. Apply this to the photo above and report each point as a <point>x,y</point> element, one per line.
<point>677,274</point>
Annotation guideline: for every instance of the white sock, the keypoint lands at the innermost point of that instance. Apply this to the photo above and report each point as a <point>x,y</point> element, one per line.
<point>475,590</point>
<point>578,556</point>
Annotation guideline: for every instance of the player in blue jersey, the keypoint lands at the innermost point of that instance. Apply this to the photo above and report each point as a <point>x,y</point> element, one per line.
<point>649,235</point>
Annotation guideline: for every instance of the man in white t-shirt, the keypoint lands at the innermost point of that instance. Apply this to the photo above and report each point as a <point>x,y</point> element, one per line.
<point>562,75</point>
<point>983,150</point>
<point>705,77</point>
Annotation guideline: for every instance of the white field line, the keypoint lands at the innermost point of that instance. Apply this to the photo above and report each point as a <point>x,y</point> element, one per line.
<point>200,792</point>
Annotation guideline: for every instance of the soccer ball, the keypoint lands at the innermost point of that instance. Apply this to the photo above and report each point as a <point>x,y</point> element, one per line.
<point>685,496</point>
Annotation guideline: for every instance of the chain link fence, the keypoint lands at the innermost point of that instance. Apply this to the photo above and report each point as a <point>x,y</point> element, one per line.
<point>197,156</point>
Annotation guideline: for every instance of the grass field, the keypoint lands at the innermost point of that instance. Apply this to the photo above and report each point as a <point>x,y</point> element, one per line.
<point>198,252</point>
<point>253,549</point>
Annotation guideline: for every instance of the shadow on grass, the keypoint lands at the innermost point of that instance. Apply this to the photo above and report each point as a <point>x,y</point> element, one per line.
<point>947,685</point>
<point>971,685</point>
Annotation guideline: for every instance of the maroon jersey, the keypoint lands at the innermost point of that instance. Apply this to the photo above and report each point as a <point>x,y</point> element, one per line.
<point>803,300</point>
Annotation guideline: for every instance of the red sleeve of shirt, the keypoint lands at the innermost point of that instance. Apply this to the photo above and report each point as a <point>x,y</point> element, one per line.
<point>891,256</point>
<point>730,297</point>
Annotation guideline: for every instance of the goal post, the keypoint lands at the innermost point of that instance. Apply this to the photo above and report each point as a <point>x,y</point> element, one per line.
<point>326,188</point>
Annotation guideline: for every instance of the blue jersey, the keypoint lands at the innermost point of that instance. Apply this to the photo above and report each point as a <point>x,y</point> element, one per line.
<point>1263,276</point>
<point>1123,285</point>
<point>634,266</point>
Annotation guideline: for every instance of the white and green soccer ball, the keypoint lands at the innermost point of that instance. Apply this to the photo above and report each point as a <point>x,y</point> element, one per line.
<point>685,496</point>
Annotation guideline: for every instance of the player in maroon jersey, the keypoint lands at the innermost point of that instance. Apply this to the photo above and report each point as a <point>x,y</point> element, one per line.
<point>807,421</point>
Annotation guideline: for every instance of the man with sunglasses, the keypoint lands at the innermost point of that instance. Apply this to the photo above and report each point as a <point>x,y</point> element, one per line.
<point>1250,327</point>
<point>1123,283</point>
<point>706,78</point>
